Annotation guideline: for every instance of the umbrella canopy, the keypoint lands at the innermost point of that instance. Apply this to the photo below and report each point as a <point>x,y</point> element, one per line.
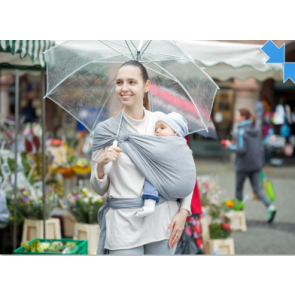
<point>81,77</point>
<point>226,60</point>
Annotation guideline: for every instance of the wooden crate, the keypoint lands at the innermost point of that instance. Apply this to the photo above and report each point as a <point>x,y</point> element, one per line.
<point>33,229</point>
<point>69,224</point>
<point>205,221</point>
<point>238,221</point>
<point>88,232</point>
<point>224,246</point>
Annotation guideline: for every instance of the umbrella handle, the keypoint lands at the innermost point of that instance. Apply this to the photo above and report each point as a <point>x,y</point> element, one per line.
<point>108,166</point>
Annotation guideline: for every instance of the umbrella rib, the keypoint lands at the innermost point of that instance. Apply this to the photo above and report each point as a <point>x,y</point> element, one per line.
<point>160,74</point>
<point>68,111</point>
<point>129,49</point>
<point>133,45</point>
<point>145,45</point>
<point>145,48</point>
<point>116,43</point>
<point>180,57</point>
<point>51,91</point>
<point>118,62</point>
<point>184,89</point>
<point>104,102</point>
<point>114,49</point>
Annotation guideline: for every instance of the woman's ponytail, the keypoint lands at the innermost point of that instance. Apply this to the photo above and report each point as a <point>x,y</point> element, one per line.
<point>146,102</point>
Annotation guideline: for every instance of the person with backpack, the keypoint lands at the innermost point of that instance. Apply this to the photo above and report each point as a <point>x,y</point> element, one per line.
<point>249,161</point>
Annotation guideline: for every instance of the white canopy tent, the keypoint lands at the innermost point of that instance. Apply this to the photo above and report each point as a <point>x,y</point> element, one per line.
<point>226,60</point>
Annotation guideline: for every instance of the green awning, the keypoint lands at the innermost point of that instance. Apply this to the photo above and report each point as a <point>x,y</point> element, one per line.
<point>32,48</point>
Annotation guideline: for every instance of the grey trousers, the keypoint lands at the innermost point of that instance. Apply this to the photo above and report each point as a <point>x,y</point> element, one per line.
<point>255,182</point>
<point>156,248</point>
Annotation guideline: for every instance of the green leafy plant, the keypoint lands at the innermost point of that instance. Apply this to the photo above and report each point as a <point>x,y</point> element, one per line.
<point>220,224</point>
<point>29,207</point>
<point>235,204</point>
<point>54,247</point>
<point>84,205</point>
<point>219,230</point>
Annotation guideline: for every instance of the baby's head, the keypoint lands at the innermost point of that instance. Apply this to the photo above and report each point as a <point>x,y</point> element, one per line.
<point>172,124</point>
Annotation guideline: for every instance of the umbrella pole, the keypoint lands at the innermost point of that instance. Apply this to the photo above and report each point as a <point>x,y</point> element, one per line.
<point>43,153</point>
<point>16,115</point>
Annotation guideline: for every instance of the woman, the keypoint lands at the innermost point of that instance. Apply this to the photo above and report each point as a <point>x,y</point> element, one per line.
<point>249,161</point>
<point>126,234</point>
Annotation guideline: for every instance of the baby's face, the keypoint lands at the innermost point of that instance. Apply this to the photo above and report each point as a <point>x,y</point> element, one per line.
<point>163,129</point>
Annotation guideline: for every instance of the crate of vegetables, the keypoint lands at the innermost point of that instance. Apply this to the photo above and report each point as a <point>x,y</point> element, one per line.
<point>54,246</point>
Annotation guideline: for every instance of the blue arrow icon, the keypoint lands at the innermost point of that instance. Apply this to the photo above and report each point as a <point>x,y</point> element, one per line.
<point>289,71</point>
<point>276,54</point>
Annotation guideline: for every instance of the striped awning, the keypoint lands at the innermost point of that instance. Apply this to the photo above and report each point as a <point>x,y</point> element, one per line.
<point>32,48</point>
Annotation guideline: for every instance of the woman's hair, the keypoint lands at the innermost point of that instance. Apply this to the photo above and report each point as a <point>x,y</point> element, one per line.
<point>145,78</point>
<point>248,115</point>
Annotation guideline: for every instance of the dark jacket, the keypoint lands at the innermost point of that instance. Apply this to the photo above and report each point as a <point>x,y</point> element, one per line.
<point>248,147</point>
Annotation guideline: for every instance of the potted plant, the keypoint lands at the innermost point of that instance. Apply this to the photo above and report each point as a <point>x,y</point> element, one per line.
<point>31,209</point>
<point>236,214</point>
<point>220,231</point>
<point>84,205</point>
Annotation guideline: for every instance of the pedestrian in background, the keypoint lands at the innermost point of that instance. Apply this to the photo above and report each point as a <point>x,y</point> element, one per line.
<point>249,161</point>
<point>29,113</point>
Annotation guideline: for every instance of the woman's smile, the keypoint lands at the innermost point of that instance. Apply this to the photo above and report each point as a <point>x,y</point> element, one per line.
<point>126,96</point>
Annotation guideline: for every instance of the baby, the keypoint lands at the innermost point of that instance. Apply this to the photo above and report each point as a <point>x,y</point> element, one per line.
<point>172,124</point>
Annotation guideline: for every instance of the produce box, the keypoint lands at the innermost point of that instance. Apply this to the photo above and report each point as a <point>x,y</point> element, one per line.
<point>81,247</point>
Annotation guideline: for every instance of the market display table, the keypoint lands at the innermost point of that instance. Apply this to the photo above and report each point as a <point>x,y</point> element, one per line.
<point>2,227</point>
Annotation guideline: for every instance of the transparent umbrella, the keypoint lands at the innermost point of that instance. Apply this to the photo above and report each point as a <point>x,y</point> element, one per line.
<point>81,79</point>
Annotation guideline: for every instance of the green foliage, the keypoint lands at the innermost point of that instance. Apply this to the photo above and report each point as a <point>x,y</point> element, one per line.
<point>54,247</point>
<point>10,206</point>
<point>33,247</point>
<point>28,207</point>
<point>217,231</point>
<point>84,205</point>
<point>235,204</point>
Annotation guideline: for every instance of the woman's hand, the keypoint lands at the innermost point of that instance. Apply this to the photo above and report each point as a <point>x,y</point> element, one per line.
<point>111,154</point>
<point>177,227</point>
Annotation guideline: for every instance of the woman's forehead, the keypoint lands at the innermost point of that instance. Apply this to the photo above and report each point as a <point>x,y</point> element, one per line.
<point>129,72</point>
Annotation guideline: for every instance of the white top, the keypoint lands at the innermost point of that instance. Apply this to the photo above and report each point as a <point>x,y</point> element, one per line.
<point>124,229</point>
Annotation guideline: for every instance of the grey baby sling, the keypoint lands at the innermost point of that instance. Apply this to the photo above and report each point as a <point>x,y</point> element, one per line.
<point>166,162</point>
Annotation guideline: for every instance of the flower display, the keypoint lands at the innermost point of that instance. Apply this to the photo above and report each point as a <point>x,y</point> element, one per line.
<point>210,190</point>
<point>235,205</point>
<point>84,205</point>
<point>219,230</point>
<point>31,207</point>
<point>220,224</point>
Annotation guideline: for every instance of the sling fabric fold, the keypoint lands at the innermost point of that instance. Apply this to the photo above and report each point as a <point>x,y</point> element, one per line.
<point>115,204</point>
<point>166,162</point>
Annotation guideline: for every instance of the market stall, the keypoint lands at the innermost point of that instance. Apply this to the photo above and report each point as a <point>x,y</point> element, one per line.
<point>24,55</point>
<point>226,60</point>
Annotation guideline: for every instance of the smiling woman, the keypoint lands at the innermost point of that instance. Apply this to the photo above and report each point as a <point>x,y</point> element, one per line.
<point>126,234</point>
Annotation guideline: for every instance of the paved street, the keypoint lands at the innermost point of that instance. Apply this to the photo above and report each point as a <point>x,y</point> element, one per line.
<point>261,237</point>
